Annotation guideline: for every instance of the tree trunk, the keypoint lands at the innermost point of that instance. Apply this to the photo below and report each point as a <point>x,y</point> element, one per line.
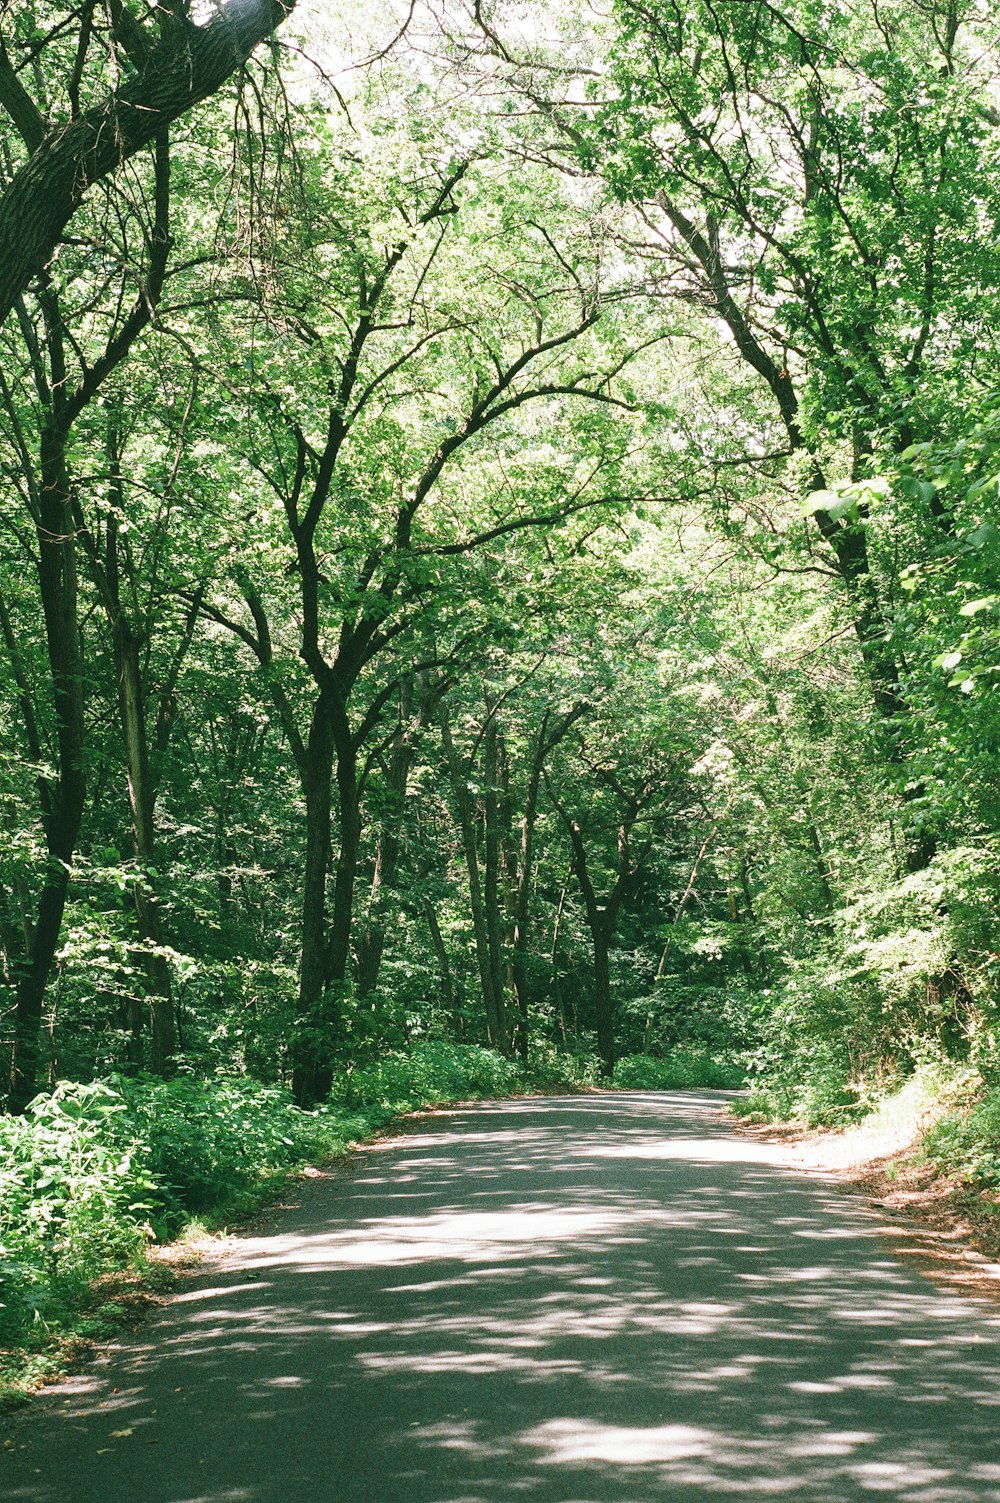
<point>522,895</point>
<point>448,995</point>
<point>372,943</point>
<point>349,812</point>
<point>311,1068</point>
<point>58,585</point>
<point>600,925</point>
<point>549,736</point>
<point>602,917</point>
<point>142,800</point>
<point>553,953</point>
<point>496,1031</point>
<point>603,1005</point>
<point>192,63</point>
<point>491,870</point>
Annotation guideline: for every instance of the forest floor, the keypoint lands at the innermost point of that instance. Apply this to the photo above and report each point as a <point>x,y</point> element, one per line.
<point>939,1224</point>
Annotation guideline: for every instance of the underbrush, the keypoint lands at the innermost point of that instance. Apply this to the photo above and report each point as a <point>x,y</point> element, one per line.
<point>820,1099</point>
<point>93,1174</point>
<point>965,1141</point>
<point>426,1075</point>
<point>683,1069</point>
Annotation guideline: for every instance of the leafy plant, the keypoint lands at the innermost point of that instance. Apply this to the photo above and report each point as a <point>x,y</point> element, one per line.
<point>684,1069</point>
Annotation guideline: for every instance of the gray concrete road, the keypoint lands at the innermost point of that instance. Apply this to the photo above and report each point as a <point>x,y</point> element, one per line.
<point>605,1299</point>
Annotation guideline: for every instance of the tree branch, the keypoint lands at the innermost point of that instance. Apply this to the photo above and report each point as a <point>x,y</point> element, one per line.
<point>69,159</point>
<point>31,123</point>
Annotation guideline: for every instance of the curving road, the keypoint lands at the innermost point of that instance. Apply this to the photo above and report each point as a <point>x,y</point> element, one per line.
<point>601,1299</point>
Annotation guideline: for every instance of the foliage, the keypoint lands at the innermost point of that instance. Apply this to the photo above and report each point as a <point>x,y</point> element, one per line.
<point>74,1200</point>
<point>92,1173</point>
<point>966,1140</point>
<point>550,1068</point>
<point>685,1069</point>
<point>430,1073</point>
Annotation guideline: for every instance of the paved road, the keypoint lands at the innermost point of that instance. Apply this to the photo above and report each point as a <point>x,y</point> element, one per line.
<point>605,1299</point>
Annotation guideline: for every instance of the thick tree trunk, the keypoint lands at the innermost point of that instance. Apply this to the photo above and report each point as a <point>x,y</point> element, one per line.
<point>191,64</point>
<point>65,799</point>
<point>326,945</point>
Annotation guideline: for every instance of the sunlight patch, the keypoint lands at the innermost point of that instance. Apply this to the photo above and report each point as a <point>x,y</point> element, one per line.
<point>568,1441</point>
<point>477,1234</point>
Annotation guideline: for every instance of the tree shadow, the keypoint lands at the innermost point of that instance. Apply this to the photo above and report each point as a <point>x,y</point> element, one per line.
<point>579,1300</point>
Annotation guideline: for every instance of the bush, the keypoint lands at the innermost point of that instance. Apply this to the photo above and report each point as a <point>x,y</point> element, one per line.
<point>207,1144</point>
<point>812,1087</point>
<point>93,1172</point>
<point>429,1073</point>
<point>684,1069</point>
<point>553,1069</point>
<point>73,1200</point>
<point>968,1142</point>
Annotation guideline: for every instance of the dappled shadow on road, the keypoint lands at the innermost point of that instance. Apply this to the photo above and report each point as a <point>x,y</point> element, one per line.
<point>587,1300</point>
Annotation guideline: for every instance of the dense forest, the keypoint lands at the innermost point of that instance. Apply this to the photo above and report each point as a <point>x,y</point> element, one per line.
<point>499,539</point>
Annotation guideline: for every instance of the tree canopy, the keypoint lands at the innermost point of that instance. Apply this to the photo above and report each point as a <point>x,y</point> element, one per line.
<point>499,537</point>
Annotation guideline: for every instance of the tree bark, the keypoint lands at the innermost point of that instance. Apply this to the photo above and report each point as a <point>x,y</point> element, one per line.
<point>371,945</point>
<point>142,802</point>
<point>338,958</point>
<point>491,867</point>
<point>311,1069</point>
<point>549,736</point>
<point>600,920</point>
<point>448,995</point>
<point>496,1029</point>
<point>57,576</point>
<point>189,65</point>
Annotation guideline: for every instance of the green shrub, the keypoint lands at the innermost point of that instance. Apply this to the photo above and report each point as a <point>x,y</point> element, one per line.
<point>429,1073</point>
<point>553,1069</point>
<point>683,1069</point>
<point>207,1144</point>
<point>813,1088</point>
<point>968,1142</point>
<point>73,1200</point>
<point>92,1172</point>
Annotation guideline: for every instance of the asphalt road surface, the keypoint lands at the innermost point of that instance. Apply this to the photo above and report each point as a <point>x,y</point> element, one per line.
<point>601,1299</point>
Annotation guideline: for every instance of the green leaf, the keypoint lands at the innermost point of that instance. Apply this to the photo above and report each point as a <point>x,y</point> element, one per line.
<point>819,501</point>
